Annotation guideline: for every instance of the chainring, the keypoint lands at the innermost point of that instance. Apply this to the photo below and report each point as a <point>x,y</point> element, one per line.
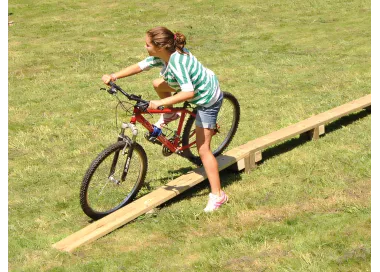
<point>166,151</point>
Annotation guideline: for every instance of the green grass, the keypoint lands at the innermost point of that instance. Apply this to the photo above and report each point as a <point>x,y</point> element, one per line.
<point>308,209</point>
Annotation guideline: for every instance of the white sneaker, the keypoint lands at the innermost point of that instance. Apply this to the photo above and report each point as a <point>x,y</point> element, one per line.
<point>214,201</point>
<point>166,118</point>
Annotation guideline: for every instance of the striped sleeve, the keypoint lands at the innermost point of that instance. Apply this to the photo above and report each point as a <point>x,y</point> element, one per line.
<point>150,62</point>
<point>179,66</point>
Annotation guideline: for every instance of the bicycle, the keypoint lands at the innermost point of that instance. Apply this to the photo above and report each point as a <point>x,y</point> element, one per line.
<point>117,174</point>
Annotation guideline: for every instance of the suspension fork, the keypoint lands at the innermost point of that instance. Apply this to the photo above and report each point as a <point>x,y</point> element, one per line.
<point>128,142</point>
<point>131,148</point>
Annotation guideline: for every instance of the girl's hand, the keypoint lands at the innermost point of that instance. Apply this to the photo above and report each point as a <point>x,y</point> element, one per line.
<point>154,104</point>
<point>106,79</point>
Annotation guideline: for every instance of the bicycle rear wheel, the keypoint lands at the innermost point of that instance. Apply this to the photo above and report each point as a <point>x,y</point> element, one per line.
<point>103,191</point>
<point>227,124</point>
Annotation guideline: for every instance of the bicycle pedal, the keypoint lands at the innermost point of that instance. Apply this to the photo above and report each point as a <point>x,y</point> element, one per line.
<point>152,139</point>
<point>155,141</point>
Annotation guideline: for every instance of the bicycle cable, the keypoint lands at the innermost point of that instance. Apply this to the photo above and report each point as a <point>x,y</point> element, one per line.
<point>125,109</point>
<point>122,104</point>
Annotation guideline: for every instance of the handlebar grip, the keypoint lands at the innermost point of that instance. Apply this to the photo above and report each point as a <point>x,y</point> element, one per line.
<point>159,108</point>
<point>112,84</point>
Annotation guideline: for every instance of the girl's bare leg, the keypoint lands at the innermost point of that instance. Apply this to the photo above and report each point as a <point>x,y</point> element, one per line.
<point>210,164</point>
<point>162,88</point>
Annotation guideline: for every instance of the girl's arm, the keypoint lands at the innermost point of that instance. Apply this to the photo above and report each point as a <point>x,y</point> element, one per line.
<point>178,98</point>
<point>128,71</point>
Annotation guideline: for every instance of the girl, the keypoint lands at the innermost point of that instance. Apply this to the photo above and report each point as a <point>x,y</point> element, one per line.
<point>197,84</point>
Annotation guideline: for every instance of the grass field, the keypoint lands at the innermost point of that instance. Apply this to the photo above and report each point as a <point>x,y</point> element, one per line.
<point>307,209</point>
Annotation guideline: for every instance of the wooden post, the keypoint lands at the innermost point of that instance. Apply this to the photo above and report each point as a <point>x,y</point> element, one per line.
<point>258,156</point>
<point>314,133</point>
<point>250,162</point>
<point>238,166</point>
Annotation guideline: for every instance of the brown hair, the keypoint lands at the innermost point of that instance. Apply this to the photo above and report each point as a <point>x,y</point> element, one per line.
<point>163,37</point>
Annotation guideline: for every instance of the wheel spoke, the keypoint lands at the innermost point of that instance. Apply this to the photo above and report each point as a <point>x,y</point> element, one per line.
<point>100,193</point>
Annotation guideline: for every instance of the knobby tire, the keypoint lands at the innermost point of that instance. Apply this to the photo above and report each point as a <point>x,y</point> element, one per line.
<point>100,196</point>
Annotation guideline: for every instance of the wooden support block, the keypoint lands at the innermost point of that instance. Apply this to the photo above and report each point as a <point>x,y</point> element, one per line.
<point>321,130</point>
<point>247,164</point>
<point>238,166</point>
<point>314,133</point>
<point>250,161</point>
<point>258,156</point>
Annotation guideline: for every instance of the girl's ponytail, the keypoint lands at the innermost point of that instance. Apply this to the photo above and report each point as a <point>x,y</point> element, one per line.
<point>163,37</point>
<point>179,42</point>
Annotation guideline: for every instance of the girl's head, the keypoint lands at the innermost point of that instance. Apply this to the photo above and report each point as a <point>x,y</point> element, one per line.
<point>161,37</point>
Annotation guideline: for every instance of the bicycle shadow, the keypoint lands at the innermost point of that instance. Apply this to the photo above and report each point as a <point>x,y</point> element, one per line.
<point>227,178</point>
<point>172,174</point>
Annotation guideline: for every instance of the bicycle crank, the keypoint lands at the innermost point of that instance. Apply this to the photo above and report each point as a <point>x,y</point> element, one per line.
<point>166,151</point>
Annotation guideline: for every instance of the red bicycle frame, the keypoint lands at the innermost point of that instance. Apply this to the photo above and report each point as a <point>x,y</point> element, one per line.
<point>172,146</point>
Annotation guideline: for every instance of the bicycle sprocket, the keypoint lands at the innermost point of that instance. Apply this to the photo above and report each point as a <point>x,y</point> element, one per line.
<point>166,151</point>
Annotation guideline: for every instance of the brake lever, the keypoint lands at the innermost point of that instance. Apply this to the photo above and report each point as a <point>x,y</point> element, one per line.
<point>142,106</point>
<point>112,91</point>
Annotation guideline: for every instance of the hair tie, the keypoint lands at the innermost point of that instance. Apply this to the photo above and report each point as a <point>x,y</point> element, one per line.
<point>175,36</point>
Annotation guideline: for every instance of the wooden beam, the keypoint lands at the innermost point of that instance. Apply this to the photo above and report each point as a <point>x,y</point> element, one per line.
<point>250,153</point>
<point>304,126</point>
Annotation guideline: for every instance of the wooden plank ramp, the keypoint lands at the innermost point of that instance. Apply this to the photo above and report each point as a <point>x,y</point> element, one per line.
<point>312,127</point>
<point>243,157</point>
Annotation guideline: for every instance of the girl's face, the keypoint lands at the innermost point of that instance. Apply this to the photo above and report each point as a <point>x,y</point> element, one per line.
<point>150,47</point>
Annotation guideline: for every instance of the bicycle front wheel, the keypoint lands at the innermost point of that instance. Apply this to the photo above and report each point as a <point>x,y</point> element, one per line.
<point>105,186</point>
<point>227,124</point>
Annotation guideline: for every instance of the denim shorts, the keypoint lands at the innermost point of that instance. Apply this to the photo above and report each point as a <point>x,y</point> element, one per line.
<point>206,117</point>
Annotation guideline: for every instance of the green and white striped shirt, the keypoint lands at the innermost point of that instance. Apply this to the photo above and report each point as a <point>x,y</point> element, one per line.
<point>186,73</point>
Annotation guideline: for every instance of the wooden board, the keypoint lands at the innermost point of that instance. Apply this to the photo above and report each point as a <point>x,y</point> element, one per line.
<point>249,152</point>
<point>317,121</point>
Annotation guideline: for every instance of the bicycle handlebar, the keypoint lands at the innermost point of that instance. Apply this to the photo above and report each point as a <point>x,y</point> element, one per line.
<point>143,103</point>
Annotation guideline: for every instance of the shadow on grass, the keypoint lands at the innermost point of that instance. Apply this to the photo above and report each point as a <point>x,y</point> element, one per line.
<point>172,174</point>
<point>227,178</point>
<point>295,142</point>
